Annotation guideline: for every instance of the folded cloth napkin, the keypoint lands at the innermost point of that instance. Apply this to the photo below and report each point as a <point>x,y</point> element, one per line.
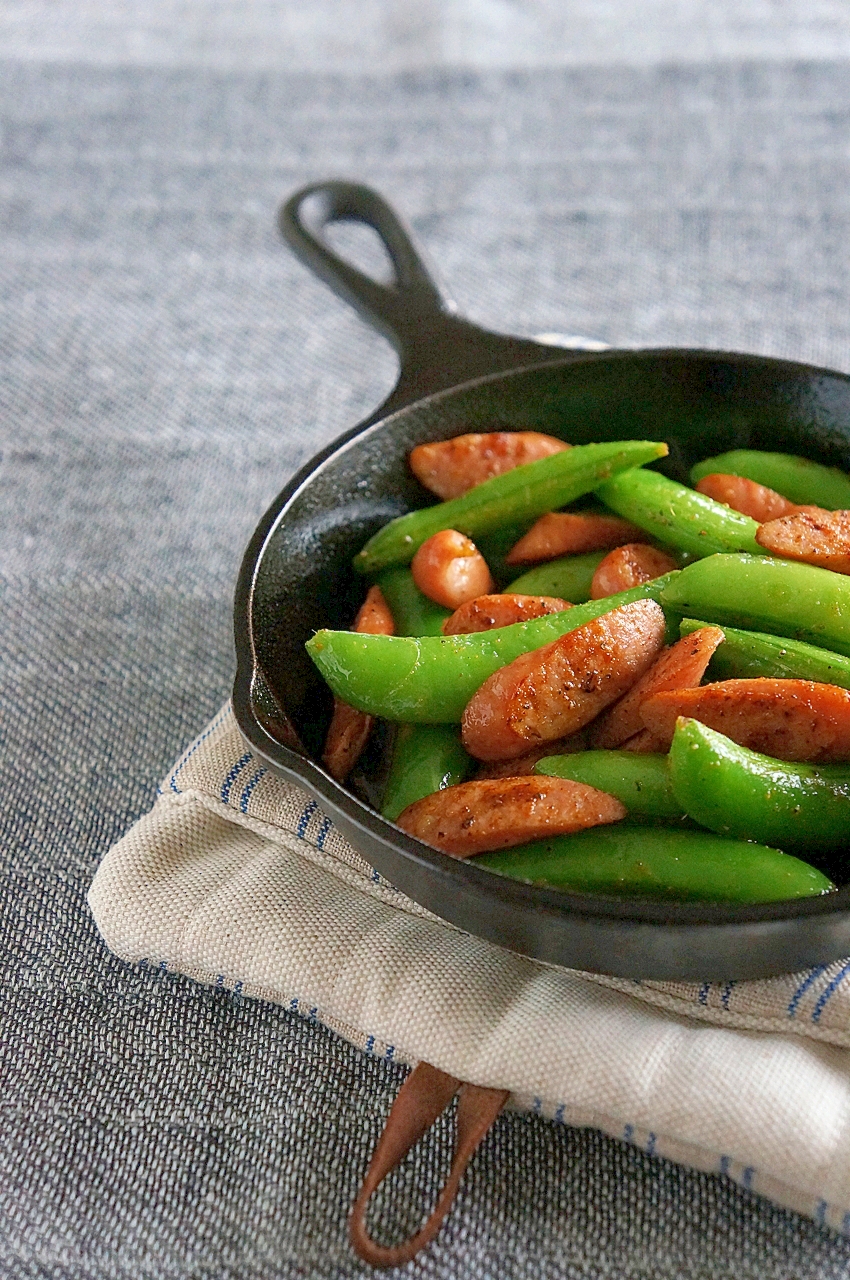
<point>238,879</point>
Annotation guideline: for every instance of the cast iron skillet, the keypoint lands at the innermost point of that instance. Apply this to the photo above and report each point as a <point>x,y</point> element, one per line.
<point>296,577</point>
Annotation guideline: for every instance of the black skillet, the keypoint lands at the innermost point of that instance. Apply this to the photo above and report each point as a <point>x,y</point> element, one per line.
<point>296,577</point>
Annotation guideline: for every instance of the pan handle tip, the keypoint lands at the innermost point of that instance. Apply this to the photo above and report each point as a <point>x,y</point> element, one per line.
<point>394,309</point>
<point>437,348</point>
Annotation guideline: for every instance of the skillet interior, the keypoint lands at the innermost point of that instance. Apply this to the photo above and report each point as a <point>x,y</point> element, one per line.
<point>699,403</point>
<point>297,577</point>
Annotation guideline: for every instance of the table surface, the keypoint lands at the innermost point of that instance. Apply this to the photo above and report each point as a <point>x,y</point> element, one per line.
<point>672,173</point>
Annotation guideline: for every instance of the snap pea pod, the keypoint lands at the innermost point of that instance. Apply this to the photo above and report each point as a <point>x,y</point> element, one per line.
<point>737,792</point>
<point>429,680</point>
<point>760,593</point>
<point>677,515</point>
<point>520,494</point>
<point>426,758</point>
<point>568,577</point>
<point>755,653</point>
<point>640,782</point>
<point>797,479</point>
<point>413,613</point>
<point>685,866</point>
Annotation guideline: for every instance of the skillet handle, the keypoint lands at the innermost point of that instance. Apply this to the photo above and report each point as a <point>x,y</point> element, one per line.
<point>425,1094</point>
<point>394,309</point>
<point>437,349</point>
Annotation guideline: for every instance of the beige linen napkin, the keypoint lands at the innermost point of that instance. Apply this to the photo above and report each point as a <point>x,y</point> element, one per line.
<point>238,879</point>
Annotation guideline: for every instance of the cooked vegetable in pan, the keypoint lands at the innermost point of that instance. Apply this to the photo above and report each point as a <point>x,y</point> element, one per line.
<point>678,516</point>
<point>766,594</point>
<point>755,653</point>
<point>430,679</point>
<point>739,792</point>
<point>797,479</point>
<point>641,782</point>
<point>690,866</point>
<point>569,577</point>
<point>426,758</point>
<point>610,722</point>
<point>521,494</point>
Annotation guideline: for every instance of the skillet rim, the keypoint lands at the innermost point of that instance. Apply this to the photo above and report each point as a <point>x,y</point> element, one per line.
<point>307,772</point>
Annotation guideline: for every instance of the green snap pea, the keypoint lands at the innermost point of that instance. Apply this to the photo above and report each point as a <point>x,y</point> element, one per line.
<point>677,515</point>
<point>760,593</point>
<point>653,862</point>
<point>413,613</point>
<point>640,782</point>
<point>797,479</point>
<point>520,494</point>
<point>569,577</point>
<point>755,653</point>
<point>429,680</point>
<point>738,792</point>
<point>426,758</point>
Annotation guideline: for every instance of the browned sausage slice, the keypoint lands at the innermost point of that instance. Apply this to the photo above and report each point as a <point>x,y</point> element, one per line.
<point>477,817</point>
<point>555,690</point>
<point>349,728</point>
<point>747,496</point>
<point>786,719</point>
<point>817,537</point>
<point>450,468</point>
<point>374,617</point>
<point>450,569</point>
<point>629,566</point>
<point>500,610</point>
<point>682,666</point>
<point>563,533</point>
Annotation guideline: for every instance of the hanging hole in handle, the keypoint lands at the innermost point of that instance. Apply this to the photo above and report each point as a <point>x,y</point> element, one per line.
<point>313,209</point>
<point>361,245</point>
<point>398,309</point>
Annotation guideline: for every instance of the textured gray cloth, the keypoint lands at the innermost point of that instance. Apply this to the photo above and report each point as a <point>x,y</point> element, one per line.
<point>353,35</point>
<point>165,366</point>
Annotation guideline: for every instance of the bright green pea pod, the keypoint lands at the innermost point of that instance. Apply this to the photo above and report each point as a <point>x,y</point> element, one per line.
<point>426,758</point>
<point>761,593</point>
<point>797,479</point>
<point>755,653</point>
<point>677,515</point>
<point>520,494</point>
<point>568,578</point>
<point>738,792</point>
<point>413,613</point>
<point>640,782</point>
<point>430,680</point>
<point>655,862</point>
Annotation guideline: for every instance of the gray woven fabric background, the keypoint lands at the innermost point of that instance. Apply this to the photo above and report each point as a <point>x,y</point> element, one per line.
<point>675,173</point>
